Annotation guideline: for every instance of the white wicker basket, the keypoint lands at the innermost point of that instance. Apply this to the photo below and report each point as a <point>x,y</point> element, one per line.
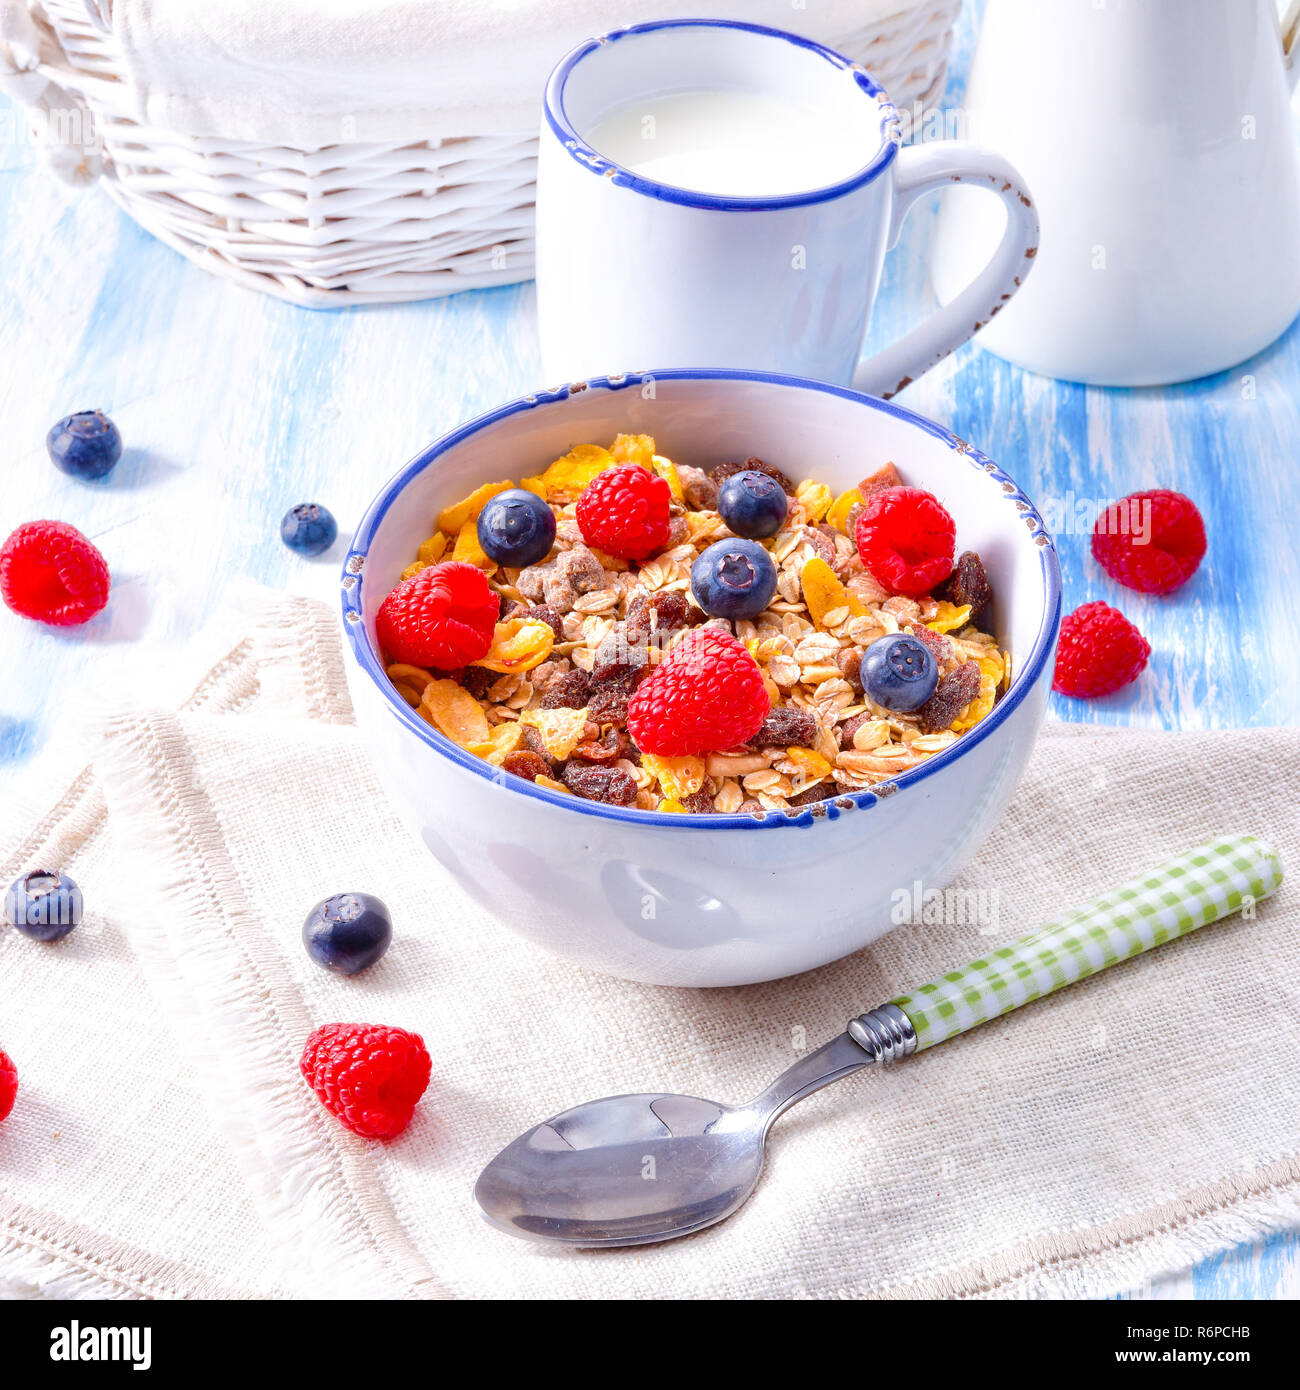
<point>351,223</point>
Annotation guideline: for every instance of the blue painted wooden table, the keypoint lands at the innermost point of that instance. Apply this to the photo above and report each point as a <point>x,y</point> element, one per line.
<point>234,407</point>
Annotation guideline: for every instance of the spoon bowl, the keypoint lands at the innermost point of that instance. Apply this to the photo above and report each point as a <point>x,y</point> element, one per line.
<point>629,1170</point>
<point>625,1170</point>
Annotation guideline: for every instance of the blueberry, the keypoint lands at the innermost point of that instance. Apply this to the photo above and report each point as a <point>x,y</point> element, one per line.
<point>347,932</point>
<point>733,579</point>
<point>752,504</point>
<point>309,529</point>
<point>43,905</point>
<point>899,672</point>
<point>86,445</point>
<point>516,528</point>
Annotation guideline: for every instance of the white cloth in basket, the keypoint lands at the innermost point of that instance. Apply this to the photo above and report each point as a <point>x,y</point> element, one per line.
<point>308,73</point>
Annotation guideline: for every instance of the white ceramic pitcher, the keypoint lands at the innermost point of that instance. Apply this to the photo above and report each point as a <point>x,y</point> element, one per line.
<point>1157,136</point>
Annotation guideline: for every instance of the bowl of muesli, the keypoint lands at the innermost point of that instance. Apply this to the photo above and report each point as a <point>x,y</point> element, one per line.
<point>694,677</point>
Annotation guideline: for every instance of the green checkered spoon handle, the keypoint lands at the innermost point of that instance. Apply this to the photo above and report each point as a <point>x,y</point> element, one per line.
<point>1186,892</point>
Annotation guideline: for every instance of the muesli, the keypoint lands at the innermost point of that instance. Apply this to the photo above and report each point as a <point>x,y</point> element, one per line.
<point>646,633</point>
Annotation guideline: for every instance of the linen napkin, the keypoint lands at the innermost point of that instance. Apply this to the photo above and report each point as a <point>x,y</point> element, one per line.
<point>309,73</point>
<point>1105,1136</point>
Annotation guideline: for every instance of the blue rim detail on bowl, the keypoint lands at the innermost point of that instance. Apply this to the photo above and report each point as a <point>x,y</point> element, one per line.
<point>597,163</point>
<point>367,658</point>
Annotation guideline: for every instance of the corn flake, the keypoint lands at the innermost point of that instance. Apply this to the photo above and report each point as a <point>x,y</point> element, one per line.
<point>701,525</point>
<point>518,644</point>
<point>453,519</point>
<point>949,618</point>
<point>678,777</point>
<point>816,499</point>
<point>673,807</point>
<point>432,550</point>
<point>505,738</point>
<point>838,515</point>
<point>570,474</point>
<point>813,766</point>
<point>561,729</point>
<point>823,592</point>
<point>409,681</point>
<point>453,710</point>
<point>634,448</point>
<point>468,550</point>
<point>665,469</point>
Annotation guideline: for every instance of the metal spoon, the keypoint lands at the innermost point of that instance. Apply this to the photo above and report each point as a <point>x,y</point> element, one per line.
<point>629,1170</point>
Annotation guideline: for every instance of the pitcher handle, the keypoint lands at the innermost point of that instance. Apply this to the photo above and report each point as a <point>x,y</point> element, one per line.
<point>923,169</point>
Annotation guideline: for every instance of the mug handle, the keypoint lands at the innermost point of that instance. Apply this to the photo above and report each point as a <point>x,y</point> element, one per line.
<point>921,169</point>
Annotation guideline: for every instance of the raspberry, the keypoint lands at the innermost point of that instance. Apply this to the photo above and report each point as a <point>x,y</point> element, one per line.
<point>1100,651</point>
<point>624,512</point>
<point>49,571</point>
<point>906,539</point>
<point>367,1075</point>
<point>8,1084</point>
<point>1150,541</point>
<point>442,617</point>
<point>706,695</point>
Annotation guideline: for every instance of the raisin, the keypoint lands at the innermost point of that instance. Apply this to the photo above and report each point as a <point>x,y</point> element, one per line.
<point>478,680</point>
<point>940,647</point>
<point>720,472</point>
<point>851,726</point>
<point>699,803</point>
<point>954,692</point>
<point>814,794</point>
<point>532,741</point>
<point>880,480</point>
<point>821,542</point>
<point>664,611</point>
<point>618,658</point>
<point>536,613</point>
<point>532,581</point>
<point>608,784</point>
<point>786,727</point>
<point>526,764</point>
<point>968,583</point>
<point>569,691</point>
<point>609,706</point>
<point>601,750</point>
<point>558,593</point>
<point>700,491</point>
<point>580,568</point>
<point>849,660</point>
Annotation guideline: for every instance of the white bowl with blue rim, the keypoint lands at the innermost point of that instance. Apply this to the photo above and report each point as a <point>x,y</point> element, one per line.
<point>709,899</point>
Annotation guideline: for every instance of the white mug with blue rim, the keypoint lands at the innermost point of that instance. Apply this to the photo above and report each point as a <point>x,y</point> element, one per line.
<point>719,194</point>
